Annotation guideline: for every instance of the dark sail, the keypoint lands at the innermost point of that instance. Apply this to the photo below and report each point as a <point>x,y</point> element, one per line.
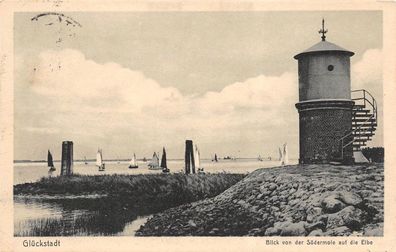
<point>163,159</point>
<point>215,158</point>
<point>49,159</point>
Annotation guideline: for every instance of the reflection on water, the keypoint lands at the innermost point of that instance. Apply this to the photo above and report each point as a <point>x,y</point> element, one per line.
<point>131,227</point>
<point>79,217</point>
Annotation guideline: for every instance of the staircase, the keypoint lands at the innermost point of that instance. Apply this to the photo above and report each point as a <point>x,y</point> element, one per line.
<point>364,121</point>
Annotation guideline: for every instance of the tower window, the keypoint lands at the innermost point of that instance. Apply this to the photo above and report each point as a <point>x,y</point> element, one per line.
<point>330,68</point>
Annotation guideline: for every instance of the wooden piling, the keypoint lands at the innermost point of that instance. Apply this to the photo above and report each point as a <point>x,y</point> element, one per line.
<point>67,158</point>
<point>189,158</point>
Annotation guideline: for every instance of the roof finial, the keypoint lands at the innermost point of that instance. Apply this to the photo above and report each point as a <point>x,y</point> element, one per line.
<point>323,31</point>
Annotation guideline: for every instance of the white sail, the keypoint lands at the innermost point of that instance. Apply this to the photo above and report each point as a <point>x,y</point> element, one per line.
<point>154,161</point>
<point>285,155</point>
<point>281,159</point>
<point>99,160</point>
<point>280,154</point>
<point>197,158</point>
<point>133,161</point>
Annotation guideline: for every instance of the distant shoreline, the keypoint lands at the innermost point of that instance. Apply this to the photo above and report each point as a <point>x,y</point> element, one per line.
<point>141,160</point>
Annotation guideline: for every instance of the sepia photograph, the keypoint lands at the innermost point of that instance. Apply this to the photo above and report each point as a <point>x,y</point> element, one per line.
<point>198,124</point>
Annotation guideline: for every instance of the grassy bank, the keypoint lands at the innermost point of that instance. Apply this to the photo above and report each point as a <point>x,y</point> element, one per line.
<point>173,187</point>
<point>124,198</point>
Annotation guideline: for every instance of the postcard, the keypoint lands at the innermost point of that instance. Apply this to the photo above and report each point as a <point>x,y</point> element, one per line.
<point>197,126</point>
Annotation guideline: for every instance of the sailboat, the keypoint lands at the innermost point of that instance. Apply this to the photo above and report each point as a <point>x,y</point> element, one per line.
<point>154,163</point>
<point>197,160</point>
<point>280,154</point>
<point>133,164</point>
<point>99,160</point>
<point>285,155</point>
<point>215,158</point>
<point>164,165</point>
<point>85,160</point>
<point>50,162</point>
<point>260,158</point>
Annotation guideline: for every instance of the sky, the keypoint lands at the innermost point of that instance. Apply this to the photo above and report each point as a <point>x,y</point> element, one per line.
<point>133,82</point>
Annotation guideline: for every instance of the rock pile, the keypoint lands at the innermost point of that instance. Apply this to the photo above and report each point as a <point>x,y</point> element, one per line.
<point>309,200</point>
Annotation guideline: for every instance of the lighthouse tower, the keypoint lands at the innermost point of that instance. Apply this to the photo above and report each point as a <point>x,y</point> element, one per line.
<point>325,105</point>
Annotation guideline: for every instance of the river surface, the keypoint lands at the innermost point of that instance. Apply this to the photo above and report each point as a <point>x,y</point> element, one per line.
<point>31,172</point>
<point>98,216</point>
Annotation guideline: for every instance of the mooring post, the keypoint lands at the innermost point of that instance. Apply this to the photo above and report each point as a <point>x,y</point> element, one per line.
<point>192,159</point>
<point>67,158</point>
<point>187,157</point>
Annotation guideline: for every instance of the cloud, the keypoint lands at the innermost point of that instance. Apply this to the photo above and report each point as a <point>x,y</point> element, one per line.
<point>72,97</point>
<point>367,74</point>
<point>124,111</point>
<point>68,74</point>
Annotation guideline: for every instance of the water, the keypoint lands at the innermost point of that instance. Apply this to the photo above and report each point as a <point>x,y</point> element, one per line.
<point>79,216</point>
<point>94,215</point>
<point>131,227</point>
<point>31,172</point>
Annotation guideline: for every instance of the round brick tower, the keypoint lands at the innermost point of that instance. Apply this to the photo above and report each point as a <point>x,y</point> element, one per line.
<point>325,105</point>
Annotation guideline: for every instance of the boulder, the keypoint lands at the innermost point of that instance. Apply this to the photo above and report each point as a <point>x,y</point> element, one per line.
<point>272,186</point>
<point>293,229</point>
<point>265,192</point>
<point>332,186</point>
<point>275,199</point>
<point>338,231</point>
<point>280,224</point>
<point>319,190</point>
<point>295,186</point>
<point>316,232</point>
<point>316,199</point>
<point>192,223</point>
<point>353,218</point>
<point>374,230</point>
<point>332,204</point>
<point>275,209</point>
<point>313,226</point>
<point>350,198</point>
<point>272,231</point>
<point>313,213</point>
<point>334,220</point>
<point>343,187</point>
<point>244,204</point>
<point>349,216</point>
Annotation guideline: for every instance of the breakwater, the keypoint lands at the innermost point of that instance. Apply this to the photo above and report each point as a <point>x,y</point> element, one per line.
<point>309,200</point>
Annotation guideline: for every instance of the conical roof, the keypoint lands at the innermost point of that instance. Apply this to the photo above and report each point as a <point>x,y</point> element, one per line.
<point>324,46</point>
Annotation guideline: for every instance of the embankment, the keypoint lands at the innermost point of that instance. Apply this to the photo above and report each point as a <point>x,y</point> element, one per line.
<point>314,200</point>
<point>173,189</point>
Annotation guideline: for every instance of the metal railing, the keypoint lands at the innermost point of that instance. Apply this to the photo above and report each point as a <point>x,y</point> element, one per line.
<point>367,99</point>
